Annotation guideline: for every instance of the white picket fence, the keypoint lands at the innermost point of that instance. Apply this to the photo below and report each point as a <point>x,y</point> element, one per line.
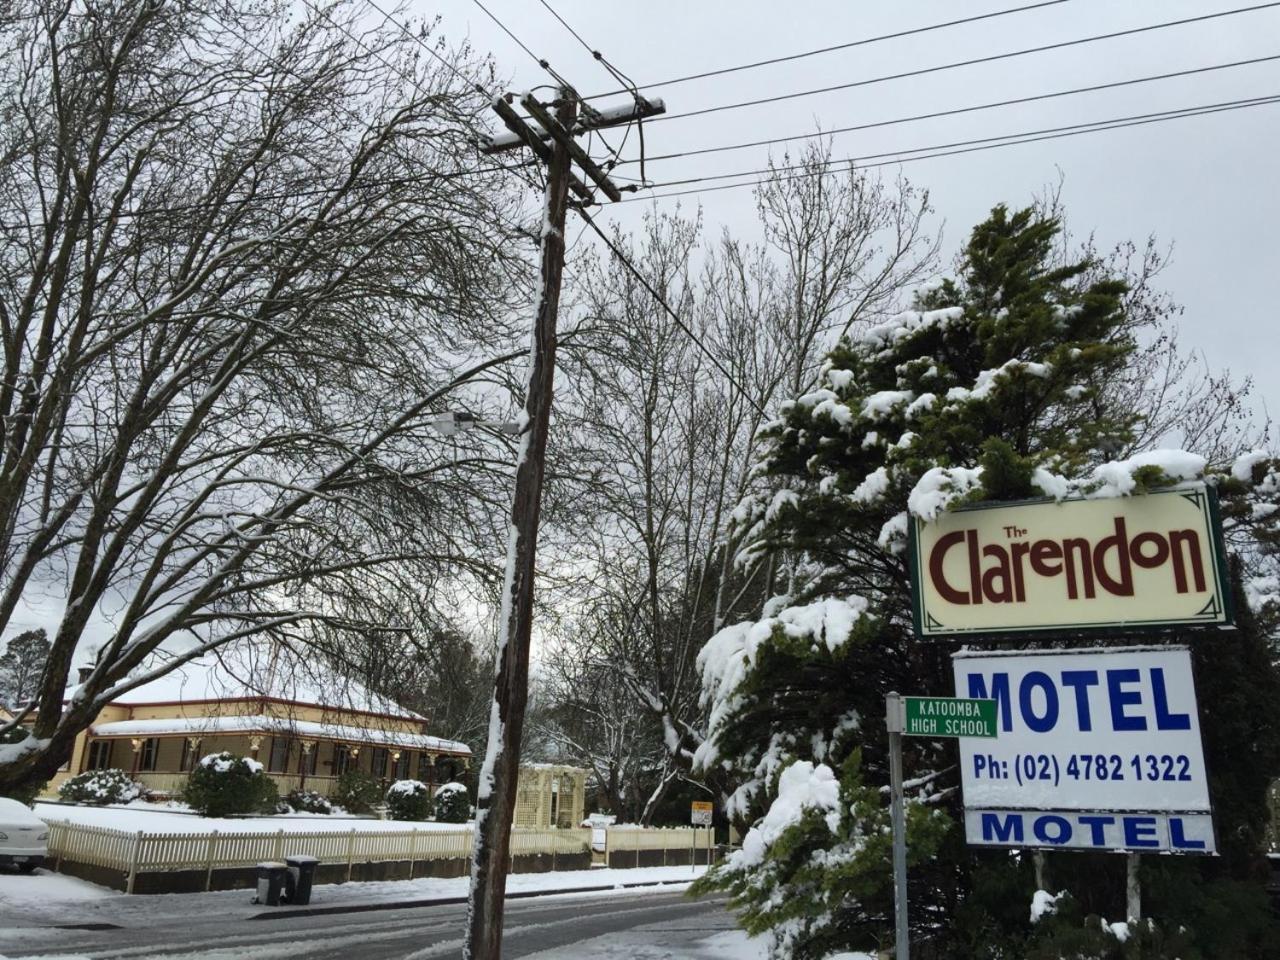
<point>142,852</point>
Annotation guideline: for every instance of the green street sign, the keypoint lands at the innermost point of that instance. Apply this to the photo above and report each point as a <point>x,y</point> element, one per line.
<point>949,717</point>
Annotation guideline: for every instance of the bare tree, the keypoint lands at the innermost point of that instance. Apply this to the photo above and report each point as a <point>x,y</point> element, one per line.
<point>426,665</point>
<point>668,426</point>
<point>592,717</point>
<point>245,256</point>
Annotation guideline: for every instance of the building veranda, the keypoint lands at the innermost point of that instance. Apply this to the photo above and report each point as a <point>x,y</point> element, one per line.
<point>306,727</point>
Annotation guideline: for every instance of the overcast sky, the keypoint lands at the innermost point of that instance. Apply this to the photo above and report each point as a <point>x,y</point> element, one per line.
<point>1205,184</point>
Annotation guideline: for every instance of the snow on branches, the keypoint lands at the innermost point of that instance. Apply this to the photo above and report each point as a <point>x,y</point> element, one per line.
<point>1000,385</point>
<point>732,654</point>
<point>801,788</point>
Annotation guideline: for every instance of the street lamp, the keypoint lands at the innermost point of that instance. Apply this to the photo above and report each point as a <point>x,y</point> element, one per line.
<point>452,423</point>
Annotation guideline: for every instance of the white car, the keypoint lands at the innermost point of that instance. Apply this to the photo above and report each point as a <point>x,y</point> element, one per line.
<point>23,836</point>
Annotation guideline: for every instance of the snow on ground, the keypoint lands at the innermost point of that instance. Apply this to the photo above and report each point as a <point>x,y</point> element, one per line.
<point>652,942</point>
<point>73,901</point>
<point>734,945</point>
<point>18,890</point>
<point>649,943</point>
<point>332,894</point>
<point>156,819</point>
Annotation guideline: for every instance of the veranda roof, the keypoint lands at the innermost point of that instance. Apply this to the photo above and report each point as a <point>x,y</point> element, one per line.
<point>308,729</point>
<point>254,670</point>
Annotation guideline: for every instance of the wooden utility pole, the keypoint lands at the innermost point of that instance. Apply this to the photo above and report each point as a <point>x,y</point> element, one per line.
<point>496,783</point>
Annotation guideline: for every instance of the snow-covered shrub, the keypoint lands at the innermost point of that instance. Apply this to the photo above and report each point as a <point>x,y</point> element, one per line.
<point>223,784</point>
<point>357,792</point>
<point>408,800</point>
<point>308,801</point>
<point>452,803</point>
<point>100,787</point>
<point>1061,928</point>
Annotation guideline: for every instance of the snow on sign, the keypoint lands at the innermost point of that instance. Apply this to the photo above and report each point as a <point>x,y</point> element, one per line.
<point>1097,749</point>
<point>700,813</point>
<point>1154,560</point>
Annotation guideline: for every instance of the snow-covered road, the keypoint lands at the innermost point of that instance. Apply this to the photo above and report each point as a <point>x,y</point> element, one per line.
<point>620,924</point>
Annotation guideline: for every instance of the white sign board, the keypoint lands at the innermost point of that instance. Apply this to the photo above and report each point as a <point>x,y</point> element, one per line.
<point>1095,749</point>
<point>701,813</point>
<point>1077,565</point>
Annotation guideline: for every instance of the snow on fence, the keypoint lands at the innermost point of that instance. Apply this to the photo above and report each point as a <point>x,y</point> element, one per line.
<point>142,852</point>
<point>694,841</point>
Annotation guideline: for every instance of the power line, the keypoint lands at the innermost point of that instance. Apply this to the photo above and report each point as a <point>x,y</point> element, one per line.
<point>630,87</point>
<point>589,221</point>
<point>564,23</point>
<point>960,110</point>
<point>1027,137</point>
<point>662,302</point>
<point>520,43</point>
<point>841,46</point>
<point>992,58</point>
<point>617,252</point>
<point>1165,114</point>
<point>614,72</point>
<point>540,61</point>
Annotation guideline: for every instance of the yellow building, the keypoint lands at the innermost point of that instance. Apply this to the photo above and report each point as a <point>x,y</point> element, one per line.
<point>305,726</point>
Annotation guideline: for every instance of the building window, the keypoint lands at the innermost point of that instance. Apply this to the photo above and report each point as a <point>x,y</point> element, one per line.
<point>426,768</point>
<point>190,752</point>
<point>307,760</point>
<point>402,766</point>
<point>99,755</point>
<point>378,758</point>
<point>147,759</point>
<point>278,762</point>
<point>341,759</point>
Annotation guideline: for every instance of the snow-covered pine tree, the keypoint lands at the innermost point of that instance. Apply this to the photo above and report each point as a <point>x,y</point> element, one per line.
<point>993,387</point>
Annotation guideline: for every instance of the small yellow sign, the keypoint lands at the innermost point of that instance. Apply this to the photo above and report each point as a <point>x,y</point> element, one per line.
<point>702,812</point>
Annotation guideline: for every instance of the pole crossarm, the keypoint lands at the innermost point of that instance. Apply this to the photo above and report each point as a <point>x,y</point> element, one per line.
<point>529,138</point>
<point>641,109</point>
<point>561,136</point>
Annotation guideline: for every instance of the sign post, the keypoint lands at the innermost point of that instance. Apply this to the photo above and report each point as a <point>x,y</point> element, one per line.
<point>893,721</point>
<point>700,814</point>
<point>923,717</point>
